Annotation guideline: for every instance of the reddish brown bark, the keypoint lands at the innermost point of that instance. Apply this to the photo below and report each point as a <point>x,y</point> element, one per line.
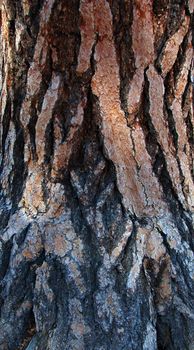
<point>96,182</point>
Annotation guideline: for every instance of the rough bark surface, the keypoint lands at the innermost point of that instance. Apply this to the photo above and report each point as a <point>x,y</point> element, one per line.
<point>96,175</point>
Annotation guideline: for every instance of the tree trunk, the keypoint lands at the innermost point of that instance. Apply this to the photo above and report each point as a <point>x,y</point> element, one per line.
<point>96,194</point>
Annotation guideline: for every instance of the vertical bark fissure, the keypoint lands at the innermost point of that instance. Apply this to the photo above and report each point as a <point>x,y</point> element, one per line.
<point>156,153</point>
<point>96,208</point>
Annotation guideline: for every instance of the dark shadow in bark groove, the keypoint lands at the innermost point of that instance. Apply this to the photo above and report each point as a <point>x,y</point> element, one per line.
<point>29,333</point>
<point>5,126</point>
<point>122,13</point>
<point>5,257</point>
<point>157,155</point>
<point>19,169</point>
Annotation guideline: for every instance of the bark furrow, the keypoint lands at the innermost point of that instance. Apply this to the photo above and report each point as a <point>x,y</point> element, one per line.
<point>96,175</point>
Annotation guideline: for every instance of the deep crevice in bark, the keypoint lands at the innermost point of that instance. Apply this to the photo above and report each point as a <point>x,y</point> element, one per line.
<point>157,155</point>
<point>168,112</point>
<point>190,136</point>
<point>122,23</point>
<point>19,173</point>
<point>29,333</point>
<point>5,125</point>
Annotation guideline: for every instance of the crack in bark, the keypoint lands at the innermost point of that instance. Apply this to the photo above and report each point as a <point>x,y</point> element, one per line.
<point>70,241</point>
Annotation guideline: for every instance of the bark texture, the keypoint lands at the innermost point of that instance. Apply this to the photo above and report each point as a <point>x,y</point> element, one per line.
<point>96,175</point>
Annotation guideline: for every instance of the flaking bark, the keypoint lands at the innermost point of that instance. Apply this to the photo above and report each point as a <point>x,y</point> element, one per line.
<point>96,175</point>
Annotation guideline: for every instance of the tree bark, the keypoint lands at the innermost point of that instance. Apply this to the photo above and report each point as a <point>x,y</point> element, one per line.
<point>96,191</point>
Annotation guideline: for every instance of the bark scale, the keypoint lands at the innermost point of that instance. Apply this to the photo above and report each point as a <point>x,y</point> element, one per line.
<point>96,191</point>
